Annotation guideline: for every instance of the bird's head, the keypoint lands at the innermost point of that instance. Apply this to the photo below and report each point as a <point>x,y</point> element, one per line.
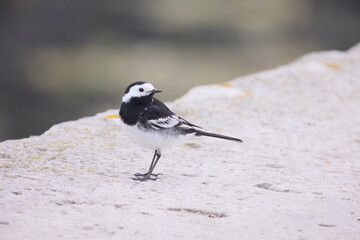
<point>139,90</point>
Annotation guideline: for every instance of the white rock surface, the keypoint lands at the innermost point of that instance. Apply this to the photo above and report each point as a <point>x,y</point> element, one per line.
<point>296,176</point>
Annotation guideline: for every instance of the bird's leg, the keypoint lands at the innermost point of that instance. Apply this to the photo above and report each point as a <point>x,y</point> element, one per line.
<point>152,166</point>
<point>152,162</point>
<point>158,154</point>
<point>149,174</point>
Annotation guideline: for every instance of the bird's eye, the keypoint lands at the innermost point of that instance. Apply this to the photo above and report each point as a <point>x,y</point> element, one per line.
<point>141,89</point>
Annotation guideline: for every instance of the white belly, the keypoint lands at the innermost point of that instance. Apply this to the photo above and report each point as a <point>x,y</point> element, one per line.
<point>150,139</point>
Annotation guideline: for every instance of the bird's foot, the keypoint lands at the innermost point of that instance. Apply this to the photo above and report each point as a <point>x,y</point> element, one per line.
<point>145,176</point>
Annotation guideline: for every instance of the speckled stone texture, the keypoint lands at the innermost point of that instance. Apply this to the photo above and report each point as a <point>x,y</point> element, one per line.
<point>296,176</point>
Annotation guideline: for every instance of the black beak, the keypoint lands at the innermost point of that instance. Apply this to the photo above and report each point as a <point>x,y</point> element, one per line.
<point>155,91</point>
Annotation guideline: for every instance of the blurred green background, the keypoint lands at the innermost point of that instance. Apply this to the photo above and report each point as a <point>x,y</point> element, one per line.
<point>61,60</point>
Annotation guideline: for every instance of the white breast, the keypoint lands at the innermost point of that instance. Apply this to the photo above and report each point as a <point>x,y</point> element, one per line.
<point>150,139</point>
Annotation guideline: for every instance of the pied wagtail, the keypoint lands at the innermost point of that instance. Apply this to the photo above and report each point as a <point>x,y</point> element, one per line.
<point>151,124</point>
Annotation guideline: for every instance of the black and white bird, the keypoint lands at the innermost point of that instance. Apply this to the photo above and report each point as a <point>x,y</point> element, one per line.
<point>151,124</point>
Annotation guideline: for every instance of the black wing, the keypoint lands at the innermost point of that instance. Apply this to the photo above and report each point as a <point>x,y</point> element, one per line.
<point>159,116</point>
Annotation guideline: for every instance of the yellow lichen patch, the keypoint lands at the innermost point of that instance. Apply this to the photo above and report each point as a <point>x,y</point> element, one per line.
<point>332,65</point>
<point>225,84</point>
<point>246,93</point>
<point>91,171</point>
<point>111,116</point>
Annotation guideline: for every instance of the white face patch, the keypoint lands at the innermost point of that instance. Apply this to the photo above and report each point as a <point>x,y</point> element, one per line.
<point>138,91</point>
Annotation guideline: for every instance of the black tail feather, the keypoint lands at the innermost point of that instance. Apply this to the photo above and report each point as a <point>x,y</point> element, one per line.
<point>202,133</point>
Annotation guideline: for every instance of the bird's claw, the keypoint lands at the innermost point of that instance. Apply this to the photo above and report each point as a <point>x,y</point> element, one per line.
<point>145,176</point>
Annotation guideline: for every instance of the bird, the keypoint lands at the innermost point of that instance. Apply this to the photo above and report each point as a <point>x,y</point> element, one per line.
<point>151,124</point>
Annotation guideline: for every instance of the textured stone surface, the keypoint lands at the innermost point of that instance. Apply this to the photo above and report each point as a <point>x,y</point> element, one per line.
<point>296,176</point>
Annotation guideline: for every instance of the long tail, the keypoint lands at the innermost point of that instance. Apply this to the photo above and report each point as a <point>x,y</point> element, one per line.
<point>202,133</point>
